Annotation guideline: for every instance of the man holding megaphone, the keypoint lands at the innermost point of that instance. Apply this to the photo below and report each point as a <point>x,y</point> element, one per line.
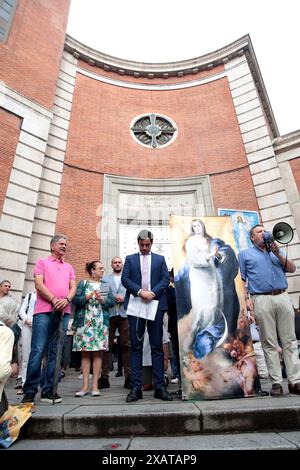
<point>263,269</point>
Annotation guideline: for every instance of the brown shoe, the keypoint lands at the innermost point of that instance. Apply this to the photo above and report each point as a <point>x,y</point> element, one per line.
<point>295,388</point>
<point>276,390</point>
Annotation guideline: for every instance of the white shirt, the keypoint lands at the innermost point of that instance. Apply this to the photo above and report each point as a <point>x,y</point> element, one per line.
<point>149,266</point>
<point>29,314</point>
<point>117,279</point>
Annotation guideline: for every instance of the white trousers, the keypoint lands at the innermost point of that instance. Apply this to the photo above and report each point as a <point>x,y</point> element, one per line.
<point>26,347</point>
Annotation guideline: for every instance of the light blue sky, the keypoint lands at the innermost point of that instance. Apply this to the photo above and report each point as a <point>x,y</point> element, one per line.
<point>171,30</point>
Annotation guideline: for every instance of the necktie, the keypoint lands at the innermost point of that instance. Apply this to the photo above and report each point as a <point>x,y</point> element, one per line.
<point>145,273</point>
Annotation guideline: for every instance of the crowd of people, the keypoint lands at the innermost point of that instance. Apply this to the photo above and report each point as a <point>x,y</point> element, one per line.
<point>31,344</point>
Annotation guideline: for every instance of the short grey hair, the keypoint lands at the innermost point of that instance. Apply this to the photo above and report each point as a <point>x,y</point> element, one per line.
<point>56,238</point>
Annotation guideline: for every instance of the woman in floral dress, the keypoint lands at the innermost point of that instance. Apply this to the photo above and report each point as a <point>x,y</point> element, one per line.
<point>91,321</point>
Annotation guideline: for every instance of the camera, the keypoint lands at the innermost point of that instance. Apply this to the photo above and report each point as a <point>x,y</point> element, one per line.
<point>268,239</point>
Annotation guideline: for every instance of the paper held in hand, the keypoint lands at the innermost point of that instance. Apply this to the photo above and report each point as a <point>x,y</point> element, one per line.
<point>137,307</point>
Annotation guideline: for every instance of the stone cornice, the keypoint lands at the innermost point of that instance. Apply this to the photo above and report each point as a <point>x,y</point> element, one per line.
<point>238,48</point>
<point>287,142</point>
<point>155,70</point>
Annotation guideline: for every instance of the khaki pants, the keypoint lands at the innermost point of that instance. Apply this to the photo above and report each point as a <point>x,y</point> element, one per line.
<point>274,314</point>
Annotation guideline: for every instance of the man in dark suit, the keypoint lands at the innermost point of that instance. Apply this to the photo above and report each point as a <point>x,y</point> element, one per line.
<point>146,275</point>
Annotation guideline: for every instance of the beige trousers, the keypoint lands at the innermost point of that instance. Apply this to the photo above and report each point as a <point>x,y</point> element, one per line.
<point>274,314</point>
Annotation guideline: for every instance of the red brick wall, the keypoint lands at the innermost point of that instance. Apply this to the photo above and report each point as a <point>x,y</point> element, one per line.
<point>29,61</point>
<point>295,166</point>
<point>234,190</point>
<point>208,142</point>
<point>81,196</point>
<point>208,136</point>
<point>9,136</point>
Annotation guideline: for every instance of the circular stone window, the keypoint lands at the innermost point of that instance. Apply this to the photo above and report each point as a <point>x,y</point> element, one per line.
<point>153,130</point>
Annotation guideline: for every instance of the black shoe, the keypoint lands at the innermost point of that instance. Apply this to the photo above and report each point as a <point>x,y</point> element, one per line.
<point>294,388</point>
<point>178,393</point>
<point>276,390</point>
<point>48,398</point>
<point>103,382</point>
<point>119,374</point>
<point>134,395</point>
<point>27,398</point>
<point>127,383</point>
<point>263,393</point>
<point>162,394</point>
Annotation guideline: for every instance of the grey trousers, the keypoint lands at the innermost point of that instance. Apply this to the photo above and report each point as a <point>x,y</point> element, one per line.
<point>274,314</point>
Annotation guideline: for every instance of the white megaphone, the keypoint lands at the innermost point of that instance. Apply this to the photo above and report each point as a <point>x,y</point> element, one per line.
<point>283,233</point>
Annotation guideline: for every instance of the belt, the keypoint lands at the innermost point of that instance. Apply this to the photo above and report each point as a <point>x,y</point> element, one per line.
<point>272,292</point>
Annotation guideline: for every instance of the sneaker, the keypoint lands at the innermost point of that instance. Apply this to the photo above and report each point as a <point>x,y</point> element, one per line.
<point>28,398</point>
<point>174,380</point>
<point>47,397</point>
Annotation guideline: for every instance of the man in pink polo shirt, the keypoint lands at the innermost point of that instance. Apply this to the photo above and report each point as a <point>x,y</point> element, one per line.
<point>55,286</point>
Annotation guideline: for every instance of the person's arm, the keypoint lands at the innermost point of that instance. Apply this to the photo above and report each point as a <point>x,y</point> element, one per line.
<point>22,311</point>
<point>26,319</point>
<point>249,303</point>
<point>72,290</point>
<point>126,280</point>
<point>109,300</point>
<point>60,304</point>
<point>242,263</point>
<point>228,256</point>
<point>42,289</point>
<point>164,282</point>
<point>80,298</point>
<point>288,265</point>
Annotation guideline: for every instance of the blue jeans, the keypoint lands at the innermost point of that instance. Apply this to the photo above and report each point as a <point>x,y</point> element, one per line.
<point>43,343</point>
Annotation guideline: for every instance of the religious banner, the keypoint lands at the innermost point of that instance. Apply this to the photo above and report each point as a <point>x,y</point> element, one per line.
<point>242,222</point>
<point>216,351</point>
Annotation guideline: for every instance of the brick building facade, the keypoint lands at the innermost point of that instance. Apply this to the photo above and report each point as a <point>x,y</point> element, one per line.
<point>73,162</point>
